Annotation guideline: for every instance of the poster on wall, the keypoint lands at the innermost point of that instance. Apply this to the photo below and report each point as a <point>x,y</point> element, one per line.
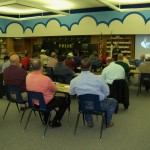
<point>142,45</point>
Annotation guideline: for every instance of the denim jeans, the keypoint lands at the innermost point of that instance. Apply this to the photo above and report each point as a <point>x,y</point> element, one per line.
<point>108,105</point>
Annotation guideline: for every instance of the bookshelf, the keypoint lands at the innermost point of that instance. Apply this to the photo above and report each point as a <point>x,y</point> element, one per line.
<point>125,43</point>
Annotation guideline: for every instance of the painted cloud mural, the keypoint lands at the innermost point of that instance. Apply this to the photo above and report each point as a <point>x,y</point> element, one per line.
<point>131,23</point>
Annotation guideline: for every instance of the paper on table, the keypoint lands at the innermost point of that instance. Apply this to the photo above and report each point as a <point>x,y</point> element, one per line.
<point>67,86</point>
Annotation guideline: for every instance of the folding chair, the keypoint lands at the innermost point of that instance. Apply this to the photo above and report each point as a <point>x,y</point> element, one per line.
<point>90,104</point>
<point>15,90</point>
<point>38,96</point>
<point>144,81</point>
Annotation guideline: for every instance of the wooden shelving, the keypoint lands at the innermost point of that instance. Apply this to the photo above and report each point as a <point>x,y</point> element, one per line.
<point>3,45</point>
<point>125,43</point>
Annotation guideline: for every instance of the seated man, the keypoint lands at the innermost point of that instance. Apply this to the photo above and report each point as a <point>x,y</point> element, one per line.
<point>123,64</point>
<point>15,75</point>
<point>86,83</point>
<point>112,72</point>
<point>38,82</point>
<point>62,69</point>
<point>52,61</point>
<point>142,58</point>
<point>144,68</point>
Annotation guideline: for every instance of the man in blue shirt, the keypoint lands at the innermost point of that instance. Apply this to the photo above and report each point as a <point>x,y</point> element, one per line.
<point>86,83</point>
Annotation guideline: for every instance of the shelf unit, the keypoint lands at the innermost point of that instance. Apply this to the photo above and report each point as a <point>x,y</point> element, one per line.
<point>125,43</point>
<point>3,45</point>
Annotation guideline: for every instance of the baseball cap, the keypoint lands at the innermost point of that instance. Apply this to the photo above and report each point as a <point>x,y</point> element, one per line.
<point>147,56</point>
<point>70,54</point>
<point>43,51</point>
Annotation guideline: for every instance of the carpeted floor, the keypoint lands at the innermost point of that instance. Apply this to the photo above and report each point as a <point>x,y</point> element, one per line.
<point>131,130</point>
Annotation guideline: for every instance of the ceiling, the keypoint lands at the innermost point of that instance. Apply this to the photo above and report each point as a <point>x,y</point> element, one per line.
<point>20,9</point>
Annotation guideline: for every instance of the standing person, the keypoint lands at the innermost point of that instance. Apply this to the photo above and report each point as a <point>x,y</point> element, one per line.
<point>25,61</point>
<point>38,82</point>
<point>115,52</point>
<point>77,59</point>
<point>86,83</point>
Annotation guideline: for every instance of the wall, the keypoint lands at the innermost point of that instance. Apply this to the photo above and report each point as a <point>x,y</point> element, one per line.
<point>110,22</point>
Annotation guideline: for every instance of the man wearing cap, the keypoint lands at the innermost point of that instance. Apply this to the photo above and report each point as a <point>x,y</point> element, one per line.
<point>144,68</point>
<point>70,62</point>
<point>43,57</point>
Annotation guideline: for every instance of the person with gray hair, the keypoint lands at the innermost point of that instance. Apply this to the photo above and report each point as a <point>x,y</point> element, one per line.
<point>112,72</point>
<point>86,83</point>
<point>38,82</point>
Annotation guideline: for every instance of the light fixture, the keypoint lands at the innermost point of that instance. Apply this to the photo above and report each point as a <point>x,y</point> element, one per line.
<point>32,5</point>
<point>114,7</point>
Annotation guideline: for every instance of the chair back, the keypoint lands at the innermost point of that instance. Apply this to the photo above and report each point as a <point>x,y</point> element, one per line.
<point>11,89</point>
<point>145,78</point>
<point>36,97</point>
<point>60,78</point>
<point>120,91</point>
<point>49,71</point>
<point>89,103</point>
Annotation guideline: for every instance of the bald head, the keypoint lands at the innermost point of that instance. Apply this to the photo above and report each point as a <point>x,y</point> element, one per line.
<point>120,57</point>
<point>14,60</point>
<point>109,60</point>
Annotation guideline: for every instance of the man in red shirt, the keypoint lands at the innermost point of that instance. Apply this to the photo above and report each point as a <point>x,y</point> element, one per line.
<point>38,82</point>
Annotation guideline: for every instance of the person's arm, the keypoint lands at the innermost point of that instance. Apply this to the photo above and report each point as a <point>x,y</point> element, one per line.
<point>104,88</point>
<point>52,86</point>
<point>72,88</point>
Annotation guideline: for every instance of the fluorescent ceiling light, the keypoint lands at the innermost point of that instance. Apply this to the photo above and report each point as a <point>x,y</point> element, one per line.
<point>31,18</point>
<point>114,7</point>
<point>20,5</point>
<point>59,4</point>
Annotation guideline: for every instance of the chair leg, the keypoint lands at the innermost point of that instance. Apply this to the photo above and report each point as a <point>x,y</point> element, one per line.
<point>46,125</point>
<point>101,127</point>
<point>41,117</point>
<point>69,116</point>
<point>97,117</point>
<point>28,120</point>
<point>18,107</point>
<point>77,122</point>
<point>83,116</point>
<point>105,119</point>
<point>22,116</point>
<point>6,110</point>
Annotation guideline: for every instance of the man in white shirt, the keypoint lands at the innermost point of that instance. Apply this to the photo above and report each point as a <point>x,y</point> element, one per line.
<point>112,72</point>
